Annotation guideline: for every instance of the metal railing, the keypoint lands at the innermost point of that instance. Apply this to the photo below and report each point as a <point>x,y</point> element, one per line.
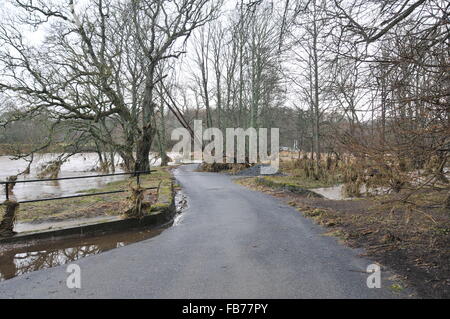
<point>136,174</point>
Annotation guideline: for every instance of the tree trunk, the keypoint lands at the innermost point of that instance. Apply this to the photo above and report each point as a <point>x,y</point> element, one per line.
<point>161,134</point>
<point>144,143</point>
<point>9,218</point>
<point>316,92</point>
<point>113,162</point>
<point>143,149</point>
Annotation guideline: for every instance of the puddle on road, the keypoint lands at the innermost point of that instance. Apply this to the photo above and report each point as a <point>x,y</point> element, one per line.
<point>20,259</point>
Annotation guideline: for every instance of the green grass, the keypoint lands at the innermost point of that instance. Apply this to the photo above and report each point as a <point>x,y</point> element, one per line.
<point>396,287</point>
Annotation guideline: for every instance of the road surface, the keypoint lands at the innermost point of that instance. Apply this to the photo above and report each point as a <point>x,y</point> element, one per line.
<point>231,242</point>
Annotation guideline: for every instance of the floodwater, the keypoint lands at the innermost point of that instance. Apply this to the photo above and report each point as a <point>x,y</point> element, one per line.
<point>78,165</point>
<point>21,259</point>
<point>336,192</point>
<point>333,192</point>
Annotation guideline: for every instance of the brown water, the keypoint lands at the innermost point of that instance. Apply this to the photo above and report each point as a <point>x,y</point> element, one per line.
<point>18,259</point>
<point>22,258</point>
<point>78,165</point>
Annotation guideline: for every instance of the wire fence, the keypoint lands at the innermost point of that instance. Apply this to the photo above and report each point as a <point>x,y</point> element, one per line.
<point>134,174</point>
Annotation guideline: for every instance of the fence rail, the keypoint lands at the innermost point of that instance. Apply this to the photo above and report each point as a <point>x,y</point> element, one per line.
<point>134,174</point>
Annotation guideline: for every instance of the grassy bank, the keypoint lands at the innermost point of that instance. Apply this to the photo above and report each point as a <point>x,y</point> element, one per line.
<point>102,205</point>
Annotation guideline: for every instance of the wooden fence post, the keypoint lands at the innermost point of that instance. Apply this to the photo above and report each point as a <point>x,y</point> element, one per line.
<point>9,217</point>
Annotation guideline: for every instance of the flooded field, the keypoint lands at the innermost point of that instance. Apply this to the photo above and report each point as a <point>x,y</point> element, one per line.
<point>78,165</point>
<point>337,192</point>
<point>333,192</point>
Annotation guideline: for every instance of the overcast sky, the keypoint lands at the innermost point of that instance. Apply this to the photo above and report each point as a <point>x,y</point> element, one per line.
<point>185,70</point>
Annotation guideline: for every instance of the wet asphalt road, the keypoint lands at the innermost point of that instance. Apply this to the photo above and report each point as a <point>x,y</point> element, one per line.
<point>230,242</point>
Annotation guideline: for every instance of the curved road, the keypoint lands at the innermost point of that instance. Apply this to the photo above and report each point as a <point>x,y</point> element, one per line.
<point>231,242</point>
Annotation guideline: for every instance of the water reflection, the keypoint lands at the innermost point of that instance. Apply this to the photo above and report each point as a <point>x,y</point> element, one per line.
<point>18,260</point>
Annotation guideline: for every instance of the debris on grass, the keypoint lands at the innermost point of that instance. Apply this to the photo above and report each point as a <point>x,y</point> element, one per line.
<point>410,239</point>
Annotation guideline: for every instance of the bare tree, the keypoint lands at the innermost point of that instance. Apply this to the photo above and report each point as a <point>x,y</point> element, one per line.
<point>97,65</point>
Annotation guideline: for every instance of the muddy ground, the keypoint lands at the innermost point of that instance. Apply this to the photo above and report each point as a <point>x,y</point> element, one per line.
<point>413,242</point>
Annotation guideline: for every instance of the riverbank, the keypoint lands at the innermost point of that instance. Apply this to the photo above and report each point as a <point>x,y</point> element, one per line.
<point>55,239</point>
<point>101,205</point>
<point>411,240</point>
